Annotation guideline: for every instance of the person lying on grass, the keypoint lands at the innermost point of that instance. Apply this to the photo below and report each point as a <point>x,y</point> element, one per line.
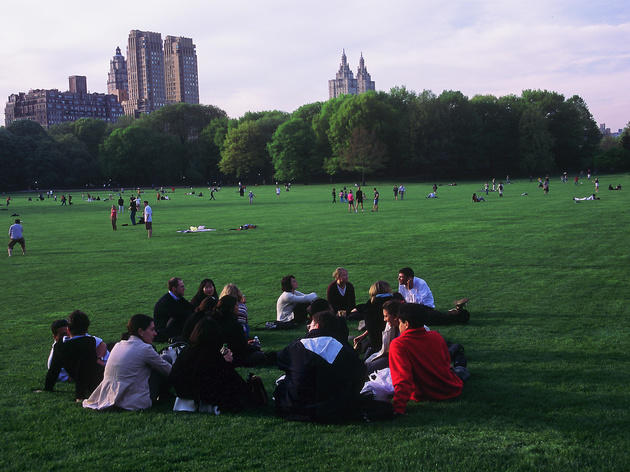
<point>420,364</point>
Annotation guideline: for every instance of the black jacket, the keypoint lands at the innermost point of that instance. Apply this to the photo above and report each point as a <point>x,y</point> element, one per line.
<point>78,357</point>
<point>170,315</point>
<point>323,379</point>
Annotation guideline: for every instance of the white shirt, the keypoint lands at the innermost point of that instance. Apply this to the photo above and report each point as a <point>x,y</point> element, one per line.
<point>287,301</point>
<point>148,213</point>
<point>420,293</point>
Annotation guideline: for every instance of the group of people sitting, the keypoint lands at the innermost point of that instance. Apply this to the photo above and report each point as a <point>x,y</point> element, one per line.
<point>324,372</point>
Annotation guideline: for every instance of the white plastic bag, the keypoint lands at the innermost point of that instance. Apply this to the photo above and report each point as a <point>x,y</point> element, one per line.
<point>380,385</point>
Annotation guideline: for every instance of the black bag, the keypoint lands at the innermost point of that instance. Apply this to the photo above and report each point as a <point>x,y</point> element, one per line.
<point>257,393</point>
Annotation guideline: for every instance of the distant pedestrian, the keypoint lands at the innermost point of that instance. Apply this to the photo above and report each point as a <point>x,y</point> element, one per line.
<point>251,196</point>
<point>63,200</point>
<point>500,189</point>
<point>334,195</point>
<point>69,199</point>
<point>132,210</point>
<point>576,179</point>
<point>486,187</point>
<point>113,217</point>
<point>596,184</point>
<point>212,192</point>
<point>121,205</point>
<point>277,190</point>
<point>351,202</point>
<point>395,192</point>
<point>8,200</point>
<point>359,199</point>
<point>148,219</point>
<point>401,191</point>
<point>376,196</point>
<point>16,236</point>
<point>546,186</point>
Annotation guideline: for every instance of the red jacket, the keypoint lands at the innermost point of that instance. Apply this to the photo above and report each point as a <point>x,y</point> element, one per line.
<point>420,365</point>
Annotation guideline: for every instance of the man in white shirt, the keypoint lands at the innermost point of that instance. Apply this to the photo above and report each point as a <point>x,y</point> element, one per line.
<point>148,219</point>
<point>16,236</point>
<point>414,289</point>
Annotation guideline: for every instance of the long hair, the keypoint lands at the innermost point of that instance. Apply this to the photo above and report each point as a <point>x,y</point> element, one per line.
<point>206,333</point>
<point>225,307</point>
<point>203,283</point>
<point>233,290</point>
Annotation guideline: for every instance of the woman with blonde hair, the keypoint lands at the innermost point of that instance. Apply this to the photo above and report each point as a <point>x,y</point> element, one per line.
<point>233,291</point>
<point>372,312</point>
<point>340,292</point>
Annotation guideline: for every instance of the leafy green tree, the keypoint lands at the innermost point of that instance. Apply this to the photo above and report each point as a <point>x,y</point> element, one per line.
<point>535,142</point>
<point>365,152</point>
<point>244,154</point>
<point>292,150</point>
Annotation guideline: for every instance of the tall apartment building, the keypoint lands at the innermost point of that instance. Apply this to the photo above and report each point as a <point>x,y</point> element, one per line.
<point>180,70</point>
<point>51,107</point>
<point>344,82</point>
<point>145,73</point>
<point>117,77</point>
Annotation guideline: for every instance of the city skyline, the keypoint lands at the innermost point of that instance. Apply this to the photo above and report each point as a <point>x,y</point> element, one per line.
<point>280,55</point>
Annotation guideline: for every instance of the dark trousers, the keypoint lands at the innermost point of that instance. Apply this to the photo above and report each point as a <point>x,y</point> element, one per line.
<point>132,215</point>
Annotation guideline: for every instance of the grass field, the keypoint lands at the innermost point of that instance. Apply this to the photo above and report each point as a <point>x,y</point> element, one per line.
<point>547,343</point>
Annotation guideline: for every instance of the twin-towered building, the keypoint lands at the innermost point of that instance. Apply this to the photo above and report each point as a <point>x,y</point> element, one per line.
<point>155,73</point>
<point>344,82</point>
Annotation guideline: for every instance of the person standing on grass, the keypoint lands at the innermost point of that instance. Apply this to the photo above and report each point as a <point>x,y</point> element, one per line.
<point>395,192</point>
<point>277,190</point>
<point>500,189</point>
<point>401,191</point>
<point>359,199</point>
<point>16,236</point>
<point>132,211</point>
<point>596,184</point>
<point>376,196</point>
<point>113,217</point>
<point>334,195</point>
<point>121,205</point>
<point>546,185</point>
<point>351,202</point>
<point>251,196</point>
<point>148,219</point>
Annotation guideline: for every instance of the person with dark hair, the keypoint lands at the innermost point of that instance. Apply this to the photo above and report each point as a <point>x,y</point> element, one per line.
<point>148,219</point>
<point>420,364</point>
<point>340,292</point>
<point>77,355</point>
<point>132,362</point>
<point>133,207</point>
<point>206,289</point>
<point>171,311</point>
<point>225,314</point>
<point>414,289</point>
<point>323,377</point>
<point>16,236</point>
<point>380,360</point>
<point>340,331</point>
<point>291,304</point>
<point>203,374</point>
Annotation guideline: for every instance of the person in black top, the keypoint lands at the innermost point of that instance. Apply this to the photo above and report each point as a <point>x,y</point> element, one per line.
<point>132,210</point>
<point>171,311</point>
<point>78,356</point>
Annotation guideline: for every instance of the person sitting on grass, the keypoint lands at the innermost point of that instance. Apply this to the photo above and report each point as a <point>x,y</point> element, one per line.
<point>203,374</point>
<point>420,364</point>
<point>241,317</point>
<point>206,289</point>
<point>171,311</point>
<point>245,353</point>
<point>380,360</point>
<point>477,199</point>
<point>372,312</point>
<point>135,373</point>
<point>340,292</point>
<point>292,304</point>
<point>323,377</point>
<point>77,355</point>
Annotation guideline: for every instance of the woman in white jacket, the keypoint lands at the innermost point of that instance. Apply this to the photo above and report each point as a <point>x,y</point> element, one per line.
<point>131,362</point>
<point>291,305</point>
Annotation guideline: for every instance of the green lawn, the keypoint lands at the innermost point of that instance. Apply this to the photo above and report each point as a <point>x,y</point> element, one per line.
<point>547,343</point>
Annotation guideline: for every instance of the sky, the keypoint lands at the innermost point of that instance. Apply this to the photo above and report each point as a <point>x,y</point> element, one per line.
<point>279,54</point>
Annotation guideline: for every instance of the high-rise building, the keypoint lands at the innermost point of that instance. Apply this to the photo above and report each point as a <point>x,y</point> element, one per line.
<point>77,84</point>
<point>180,70</point>
<point>364,80</point>
<point>145,73</point>
<point>344,82</point>
<point>117,77</point>
<point>51,107</point>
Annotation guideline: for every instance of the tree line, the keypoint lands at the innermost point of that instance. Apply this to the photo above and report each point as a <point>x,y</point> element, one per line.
<point>378,135</point>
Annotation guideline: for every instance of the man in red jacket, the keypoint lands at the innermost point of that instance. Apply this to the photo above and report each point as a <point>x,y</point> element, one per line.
<point>420,364</point>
